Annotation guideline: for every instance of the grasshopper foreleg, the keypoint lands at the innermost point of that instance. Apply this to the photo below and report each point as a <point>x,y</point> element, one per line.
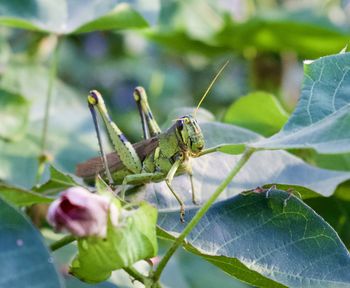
<point>138,178</point>
<point>190,173</point>
<point>168,180</point>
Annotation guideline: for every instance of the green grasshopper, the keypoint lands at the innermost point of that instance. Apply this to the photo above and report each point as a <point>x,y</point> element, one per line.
<point>160,156</point>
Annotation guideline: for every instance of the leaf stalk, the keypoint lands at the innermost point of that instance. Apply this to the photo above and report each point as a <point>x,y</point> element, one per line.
<point>62,242</point>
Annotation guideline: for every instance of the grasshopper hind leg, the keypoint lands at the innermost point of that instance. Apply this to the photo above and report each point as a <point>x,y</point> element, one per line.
<point>150,126</point>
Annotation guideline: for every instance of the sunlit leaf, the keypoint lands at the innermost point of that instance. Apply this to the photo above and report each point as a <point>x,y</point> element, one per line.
<point>259,112</point>
<point>322,118</point>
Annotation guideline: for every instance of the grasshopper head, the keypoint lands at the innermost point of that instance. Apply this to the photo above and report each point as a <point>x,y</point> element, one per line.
<point>190,134</point>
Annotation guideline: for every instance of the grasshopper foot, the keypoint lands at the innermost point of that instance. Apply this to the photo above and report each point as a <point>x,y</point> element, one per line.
<point>291,192</point>
<point>182,214</point>
<point>263,190</point>
<point>195,202</point>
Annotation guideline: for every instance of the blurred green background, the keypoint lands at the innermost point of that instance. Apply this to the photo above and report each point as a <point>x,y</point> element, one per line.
<point>176,58</point>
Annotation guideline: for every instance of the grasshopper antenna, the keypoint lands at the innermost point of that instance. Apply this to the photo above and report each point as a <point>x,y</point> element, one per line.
<point>210,86</point>
<point>103,155</point>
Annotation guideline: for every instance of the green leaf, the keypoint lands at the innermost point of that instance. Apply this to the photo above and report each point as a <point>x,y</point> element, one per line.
<point>333,161</point>
<point>321,120</point>
<point>14,110</point>
<point>278,31</point>
<point>122,17</point>
<point>183,270</point>
<point>134,239</point>
<point>227,138</point>
<point>58,182</point>
<point>26,260</point>
<point>65,17</point>
<point>258,111</point>
<point>22,197</point>
<point>182,42</point>
<point>295,246</point>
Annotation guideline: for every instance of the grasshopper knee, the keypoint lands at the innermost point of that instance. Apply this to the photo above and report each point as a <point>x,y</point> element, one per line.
<point>139,93</point>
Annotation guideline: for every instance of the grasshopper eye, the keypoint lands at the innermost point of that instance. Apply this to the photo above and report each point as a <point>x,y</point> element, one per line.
<point>180,124</point>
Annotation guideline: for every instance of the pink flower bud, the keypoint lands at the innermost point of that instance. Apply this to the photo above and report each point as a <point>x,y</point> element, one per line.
<point>82,213</point>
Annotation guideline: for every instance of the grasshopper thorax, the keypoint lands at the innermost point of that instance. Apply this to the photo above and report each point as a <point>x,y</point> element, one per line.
<point>190,134</point>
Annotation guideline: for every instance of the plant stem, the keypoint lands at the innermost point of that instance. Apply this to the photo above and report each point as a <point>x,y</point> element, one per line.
<point>135,274</point>
<point>62,242</point>
<point>200,213</point>
<point>52,77</point>
<point>44,157</point>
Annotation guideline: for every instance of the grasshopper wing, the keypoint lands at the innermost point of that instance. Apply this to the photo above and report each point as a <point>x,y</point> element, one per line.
<point>94,166</point>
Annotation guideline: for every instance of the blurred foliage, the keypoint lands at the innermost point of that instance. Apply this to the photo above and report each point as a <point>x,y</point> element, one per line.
<point>175,59</point>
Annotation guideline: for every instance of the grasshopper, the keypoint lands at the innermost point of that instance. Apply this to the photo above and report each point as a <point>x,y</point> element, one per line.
<point>160,156</point>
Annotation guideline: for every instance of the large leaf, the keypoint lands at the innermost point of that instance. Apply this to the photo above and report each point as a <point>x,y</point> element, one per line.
<point>265,167</point>
<point>132,240</point>
<point>25,260</point>
<point>64,16</point>
<point>258,111</point>
<point>14,110</point>
<point>322,118</point>
<point>250,234</point>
